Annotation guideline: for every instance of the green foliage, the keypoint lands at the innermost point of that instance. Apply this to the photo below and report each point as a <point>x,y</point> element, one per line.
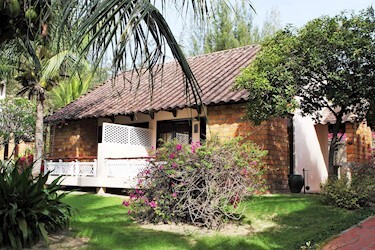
<point>200,185</point>
<point>17,120</point>
<point>329,63</point>
<point>232,29</point>
<point>29,209</point>
<point>271,24</point>
<point>73,87</point>
<point>338,192</point>
<point>350,194</point>
<point>20,19</point>
<point>270,79</point>
<point>222,35</point>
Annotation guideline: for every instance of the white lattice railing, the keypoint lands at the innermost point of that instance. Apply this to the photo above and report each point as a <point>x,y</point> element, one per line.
<point>128,168</point>
<point>122,134</point>
<point>73,168</point>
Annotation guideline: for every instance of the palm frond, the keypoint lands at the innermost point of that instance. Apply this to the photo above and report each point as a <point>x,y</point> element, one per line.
<point>136,34</point>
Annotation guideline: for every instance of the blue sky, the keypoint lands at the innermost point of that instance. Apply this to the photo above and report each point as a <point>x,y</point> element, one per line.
<point>296,12</point>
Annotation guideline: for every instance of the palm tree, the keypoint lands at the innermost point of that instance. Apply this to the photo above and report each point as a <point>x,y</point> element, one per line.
<point>38,60</point>
<point>135,31</point>
<point>70,89</point>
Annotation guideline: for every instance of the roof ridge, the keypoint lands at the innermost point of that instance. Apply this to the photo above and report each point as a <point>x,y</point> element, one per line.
<point>224,51</point>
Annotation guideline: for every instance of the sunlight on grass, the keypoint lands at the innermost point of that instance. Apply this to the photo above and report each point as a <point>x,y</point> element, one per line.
<point>279,222</point>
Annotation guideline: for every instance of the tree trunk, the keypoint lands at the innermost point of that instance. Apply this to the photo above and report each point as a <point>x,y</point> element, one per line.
<point>38,136</point>
<point>332,146</point>
<point>6,151</point>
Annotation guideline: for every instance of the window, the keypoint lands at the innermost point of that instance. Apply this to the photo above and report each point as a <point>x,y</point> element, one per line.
<point>179,129</point>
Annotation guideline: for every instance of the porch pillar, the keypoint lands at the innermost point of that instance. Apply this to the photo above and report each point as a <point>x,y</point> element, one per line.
<point>101,190</point>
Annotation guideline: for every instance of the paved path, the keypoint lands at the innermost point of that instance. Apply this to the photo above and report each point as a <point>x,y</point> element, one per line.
<point>359,237</point>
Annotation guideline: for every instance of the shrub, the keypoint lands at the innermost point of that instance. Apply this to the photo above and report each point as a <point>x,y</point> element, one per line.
<point>350,194</point>
<point>28,209</point>
<point>198,184</point>
<point>25,161</point>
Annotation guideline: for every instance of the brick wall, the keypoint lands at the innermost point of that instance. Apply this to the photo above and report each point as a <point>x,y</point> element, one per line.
<point>74,139</point>
<point>228,121</point>
<point>358,143</point>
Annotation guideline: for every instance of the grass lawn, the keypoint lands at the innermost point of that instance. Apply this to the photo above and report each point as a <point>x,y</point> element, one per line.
<point>287,222</point>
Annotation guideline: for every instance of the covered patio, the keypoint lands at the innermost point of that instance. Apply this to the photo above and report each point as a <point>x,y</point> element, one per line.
<point>123,152</point>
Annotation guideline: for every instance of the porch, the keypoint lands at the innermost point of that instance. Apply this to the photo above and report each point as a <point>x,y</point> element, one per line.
<point>122,154</point>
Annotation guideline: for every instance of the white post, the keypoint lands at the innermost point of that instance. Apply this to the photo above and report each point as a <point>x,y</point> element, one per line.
<point>76,167</point>
<point>49,166</point>
<point>60,166</point>
<point>106,168</point>
<point>95,167</point>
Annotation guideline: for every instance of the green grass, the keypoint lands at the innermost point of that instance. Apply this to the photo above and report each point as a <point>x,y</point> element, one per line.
<point>283,222</point>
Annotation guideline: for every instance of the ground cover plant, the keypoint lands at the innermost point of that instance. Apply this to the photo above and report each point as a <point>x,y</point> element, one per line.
<point>28,209</point>
<point>351,193</point>
<point>279,222</point>
<point>198,184</point>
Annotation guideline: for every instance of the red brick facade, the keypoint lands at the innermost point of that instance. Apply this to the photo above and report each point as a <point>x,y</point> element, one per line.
<point>358,143</point>
<point>75,139</point>
<point>227,121</point>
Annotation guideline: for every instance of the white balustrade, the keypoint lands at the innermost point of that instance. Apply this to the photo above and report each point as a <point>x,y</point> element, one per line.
<point>73,168</point>
<point>125,168</point>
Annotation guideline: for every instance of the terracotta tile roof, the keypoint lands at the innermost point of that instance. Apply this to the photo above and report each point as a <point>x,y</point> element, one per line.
<point>215,73</point>
<point>327,117</point>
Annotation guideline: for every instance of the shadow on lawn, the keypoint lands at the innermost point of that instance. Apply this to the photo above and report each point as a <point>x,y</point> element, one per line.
<point>297,220</point>
<point>106,223</point>
<point>309,221</point>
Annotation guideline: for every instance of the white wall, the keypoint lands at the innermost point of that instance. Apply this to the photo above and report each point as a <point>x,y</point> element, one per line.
<point>311,151</point>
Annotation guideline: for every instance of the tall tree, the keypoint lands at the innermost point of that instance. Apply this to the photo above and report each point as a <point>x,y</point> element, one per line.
<point>271,24</point>
<point>75,84</point>
<point>329,63</point>
<point>221,34</point>
<point>231,29</point>
<point>38,60</point>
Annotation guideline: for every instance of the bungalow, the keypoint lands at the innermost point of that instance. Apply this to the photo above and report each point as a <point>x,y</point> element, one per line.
<point>103,138</point>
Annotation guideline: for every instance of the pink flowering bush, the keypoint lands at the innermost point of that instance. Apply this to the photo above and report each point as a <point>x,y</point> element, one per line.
<point>198,184</point>
<point>25,161</point>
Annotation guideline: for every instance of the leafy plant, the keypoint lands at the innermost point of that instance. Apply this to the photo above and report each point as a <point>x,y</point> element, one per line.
<point>17,120</point>
<point>28,208</point>
<point>327,64</point>
<point>350,194</point>
<point>198,184</point>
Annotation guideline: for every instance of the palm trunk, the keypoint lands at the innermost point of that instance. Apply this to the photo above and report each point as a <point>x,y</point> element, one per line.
<point>38,136</point>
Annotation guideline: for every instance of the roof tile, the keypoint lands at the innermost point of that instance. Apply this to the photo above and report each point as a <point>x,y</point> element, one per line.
<point>215,73</point>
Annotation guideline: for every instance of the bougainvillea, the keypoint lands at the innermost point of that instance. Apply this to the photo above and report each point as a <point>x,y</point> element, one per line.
<point>198,184</point>
<point>25,161</point>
